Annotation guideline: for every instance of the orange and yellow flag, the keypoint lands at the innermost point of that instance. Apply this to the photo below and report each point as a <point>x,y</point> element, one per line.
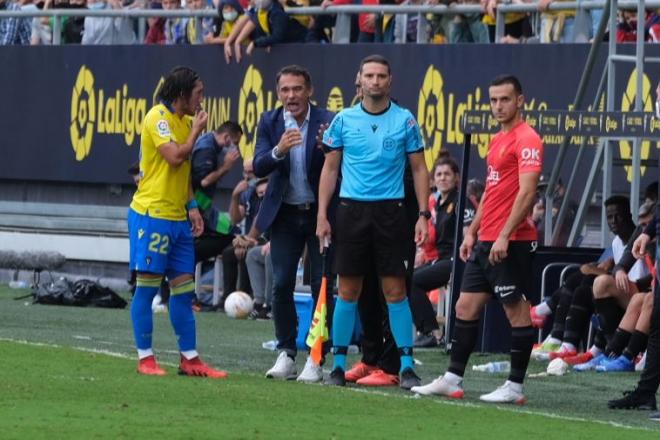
<point>318,331</point>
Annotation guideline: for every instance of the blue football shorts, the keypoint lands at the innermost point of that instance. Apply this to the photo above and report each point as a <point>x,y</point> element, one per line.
<point>160,246</point>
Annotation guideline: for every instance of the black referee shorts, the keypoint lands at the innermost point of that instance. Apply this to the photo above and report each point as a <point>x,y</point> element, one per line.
<point>367,232</point>
<point>509,281</point>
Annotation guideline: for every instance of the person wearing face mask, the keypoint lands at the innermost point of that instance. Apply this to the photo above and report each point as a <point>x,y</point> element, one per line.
<point>274,26</point>
<point>213,156</point>
<point>107,30</point>
<point>230,11</point>
<point>626,30</point>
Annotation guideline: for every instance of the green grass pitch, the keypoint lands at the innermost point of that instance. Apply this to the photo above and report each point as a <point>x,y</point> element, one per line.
<point>70,373</point>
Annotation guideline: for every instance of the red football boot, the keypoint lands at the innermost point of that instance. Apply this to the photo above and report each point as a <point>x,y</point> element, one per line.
<point>358,371</point>
<point>148,366</point>
<point>195,367</point>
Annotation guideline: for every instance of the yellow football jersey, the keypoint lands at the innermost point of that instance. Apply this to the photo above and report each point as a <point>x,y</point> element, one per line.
<point>163,188</point>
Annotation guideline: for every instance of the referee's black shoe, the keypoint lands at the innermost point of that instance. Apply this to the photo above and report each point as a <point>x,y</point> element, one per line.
<point>634,399</point>
<point>409,379</point>
<point>336,378</point>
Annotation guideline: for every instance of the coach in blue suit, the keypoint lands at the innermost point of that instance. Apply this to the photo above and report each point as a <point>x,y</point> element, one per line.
<point>294,161</point>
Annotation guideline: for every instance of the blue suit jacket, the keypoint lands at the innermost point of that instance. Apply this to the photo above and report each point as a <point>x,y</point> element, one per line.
<point>269,133</point>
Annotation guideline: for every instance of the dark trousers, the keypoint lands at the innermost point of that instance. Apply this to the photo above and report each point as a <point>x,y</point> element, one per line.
<point>425,278</point>
<point>378,345</point>
<point>234,273</point>
<point>211,244</point>
<point>650,378</point>
<point>292,230</point>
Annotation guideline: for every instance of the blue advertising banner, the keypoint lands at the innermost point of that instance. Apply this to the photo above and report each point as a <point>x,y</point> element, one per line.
<point>74,113</point>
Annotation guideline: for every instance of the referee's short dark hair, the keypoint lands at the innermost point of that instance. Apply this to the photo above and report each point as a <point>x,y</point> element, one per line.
<point>508,79</point>
<point>178,83</point>
<point>379,59</point>
<point>294,70</point>
<point>229,126</point>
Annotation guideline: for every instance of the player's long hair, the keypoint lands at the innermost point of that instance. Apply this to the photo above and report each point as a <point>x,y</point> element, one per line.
<point>178,83</point>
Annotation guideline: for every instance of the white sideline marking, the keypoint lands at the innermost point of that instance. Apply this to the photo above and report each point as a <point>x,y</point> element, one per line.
<point>84,349</point>
<point>439,401</point>
<point>512,409</point>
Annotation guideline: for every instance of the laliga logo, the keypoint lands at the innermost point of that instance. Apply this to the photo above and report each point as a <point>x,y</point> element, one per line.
<point>83,112</point>
<point>90,111</point>
<point>628,104</point>
<point>335,100</point>
<point>250,108</point>
<point>431,113</point>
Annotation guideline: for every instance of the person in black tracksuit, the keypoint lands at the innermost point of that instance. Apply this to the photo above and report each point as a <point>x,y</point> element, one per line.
<point>643,396</point>
<point>436,273</point>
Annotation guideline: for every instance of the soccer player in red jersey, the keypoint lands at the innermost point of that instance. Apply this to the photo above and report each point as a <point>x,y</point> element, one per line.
<point>498,247</point>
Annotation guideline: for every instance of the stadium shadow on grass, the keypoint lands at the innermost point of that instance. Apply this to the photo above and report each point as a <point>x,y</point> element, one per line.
<point>57,391</point>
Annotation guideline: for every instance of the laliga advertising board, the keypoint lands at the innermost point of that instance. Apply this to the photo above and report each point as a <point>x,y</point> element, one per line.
<point>86,114</point>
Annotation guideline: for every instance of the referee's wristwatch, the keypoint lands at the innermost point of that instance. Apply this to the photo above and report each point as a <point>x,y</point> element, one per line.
<point>425,214</point>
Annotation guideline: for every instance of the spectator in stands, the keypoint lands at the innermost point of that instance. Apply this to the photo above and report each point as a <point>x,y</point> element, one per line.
<point>468,28</point>
<point>72,27</point>
<point>626,30</point>
<point>156,32</point>
<point>14,30</point>
<point>406,28</point>
<point>41,32</point>
<point>194,25</point>
<point>366,22</point>
<point>241,33</point>
<point>175,28</point>
<point>232,13</point>
<point>107,30</point>
<point>516,25</point>
<point>274,26</point>
<point>556,26</point>
<point>213,156</point>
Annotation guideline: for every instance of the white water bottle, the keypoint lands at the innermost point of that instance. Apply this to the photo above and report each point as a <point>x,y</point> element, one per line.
<point>289,121</point>
<point>493,367</point>
<point>270,345</point>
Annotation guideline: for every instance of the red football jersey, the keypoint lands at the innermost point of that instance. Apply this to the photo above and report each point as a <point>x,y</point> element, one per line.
<point>510,154</point>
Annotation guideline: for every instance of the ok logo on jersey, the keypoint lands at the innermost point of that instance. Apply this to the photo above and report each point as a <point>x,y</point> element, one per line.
<point>530,156</point>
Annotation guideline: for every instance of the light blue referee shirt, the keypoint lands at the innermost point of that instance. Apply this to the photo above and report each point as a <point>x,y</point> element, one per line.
<point>375,150</point>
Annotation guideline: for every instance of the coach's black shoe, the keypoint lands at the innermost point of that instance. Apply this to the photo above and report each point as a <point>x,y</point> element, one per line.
<point>426,340</point>
<point>634,399</point>
<point>336,378</point>
<point>655,416</point>
<point>409,379</point>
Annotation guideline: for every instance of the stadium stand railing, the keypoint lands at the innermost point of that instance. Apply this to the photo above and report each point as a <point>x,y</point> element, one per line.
<point>343,13</point>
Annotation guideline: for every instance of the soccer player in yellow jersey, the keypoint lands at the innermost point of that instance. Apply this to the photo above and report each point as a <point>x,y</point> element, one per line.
<point>163,218</point>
